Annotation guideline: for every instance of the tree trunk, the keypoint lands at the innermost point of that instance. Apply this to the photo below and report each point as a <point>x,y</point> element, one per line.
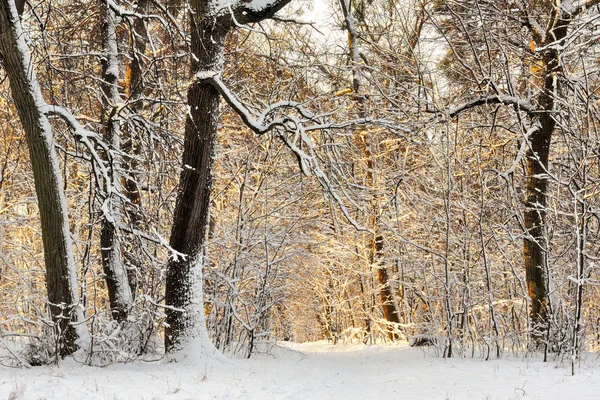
<point>536,244</point>
<point>132,146</point>
<point>119,291</point>
<point>388,300</point>
<point>184,273</point>
<point>209,26</point>
<point>386,293</point>
<point>61,278</point>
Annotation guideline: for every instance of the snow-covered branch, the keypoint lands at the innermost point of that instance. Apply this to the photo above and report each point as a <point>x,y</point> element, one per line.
<point>247,12</point>
<point>522,150</point>
<point>125,13</point>
<point>295,136</point>
<point>92,141</point>
<point>258,125</point>
<point>518,104</point>
<point>89,139</point>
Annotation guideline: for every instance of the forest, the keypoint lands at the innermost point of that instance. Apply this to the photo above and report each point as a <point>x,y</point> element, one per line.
<point>183,176</point>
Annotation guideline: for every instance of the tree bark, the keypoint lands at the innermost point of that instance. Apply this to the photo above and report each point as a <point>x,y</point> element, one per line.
<point>119,291</point>
<point>61,278</point>
<point>193,198</point>
<point>209,26</point>
<point>536,244</point>
<point>386,294</point>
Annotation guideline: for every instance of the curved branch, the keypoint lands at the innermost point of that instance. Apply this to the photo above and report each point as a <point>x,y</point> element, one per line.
<point>518,104</point>
<point>247,12</point>
<point>299,142</point>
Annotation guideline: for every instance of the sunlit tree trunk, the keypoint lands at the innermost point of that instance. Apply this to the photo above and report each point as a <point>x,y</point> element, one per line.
<point>386,293</point>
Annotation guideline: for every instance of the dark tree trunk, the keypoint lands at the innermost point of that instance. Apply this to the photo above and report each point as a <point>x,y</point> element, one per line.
<point>209,26</point>
<point>193,198</point>
<point>536,245</point>
<point>61,279</point>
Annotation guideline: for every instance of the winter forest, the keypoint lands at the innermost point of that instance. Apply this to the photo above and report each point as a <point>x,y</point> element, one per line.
<point>185,179</point>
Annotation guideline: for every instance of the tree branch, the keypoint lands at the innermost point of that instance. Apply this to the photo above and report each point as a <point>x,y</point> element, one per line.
<point>522,150</point>
<point>248,12</point>
<point>518,104</point>
<point>530,23</point>
<point>298,141</point>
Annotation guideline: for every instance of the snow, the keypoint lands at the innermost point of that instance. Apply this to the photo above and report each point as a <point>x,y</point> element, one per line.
<point>317,370</point>
<point>194,343</point>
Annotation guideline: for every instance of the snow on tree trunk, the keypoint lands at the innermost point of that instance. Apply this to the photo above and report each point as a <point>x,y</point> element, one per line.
<point>119,291</point>
<point>185,329</point>
<point>191,210</point>
<point>132,145</point>
<point>61,279</point>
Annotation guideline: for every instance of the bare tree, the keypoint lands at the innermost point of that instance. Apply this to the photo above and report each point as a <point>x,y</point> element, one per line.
<point>386,294</point>
<point>61,278</point>
<point>209,25</point>
<point>119,290</point>
<point>551,27</point>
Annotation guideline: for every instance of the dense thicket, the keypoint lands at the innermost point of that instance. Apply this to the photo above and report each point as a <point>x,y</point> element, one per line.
<point>422,170</point>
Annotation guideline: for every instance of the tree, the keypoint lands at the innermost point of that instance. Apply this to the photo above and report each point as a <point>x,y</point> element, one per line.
<point>119,289</point>
<point>61,279</point>
<point>386,291</point>
<point>550,26</point>
<point>209,26</point>
<point>456,143</point>
<point>536,244</point>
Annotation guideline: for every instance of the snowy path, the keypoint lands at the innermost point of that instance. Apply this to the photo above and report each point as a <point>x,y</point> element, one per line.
<point>312,371</point>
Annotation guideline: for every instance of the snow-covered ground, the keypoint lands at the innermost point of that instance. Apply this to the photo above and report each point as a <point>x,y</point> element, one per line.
<point>312,371</point>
